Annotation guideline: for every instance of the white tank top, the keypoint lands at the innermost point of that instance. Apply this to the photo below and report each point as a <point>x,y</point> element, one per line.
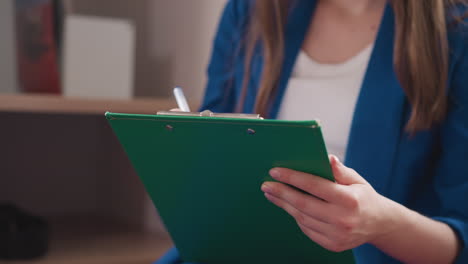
<point>328,93</point>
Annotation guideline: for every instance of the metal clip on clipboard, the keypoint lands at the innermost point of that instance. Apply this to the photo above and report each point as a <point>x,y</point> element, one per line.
<point>208,113</point>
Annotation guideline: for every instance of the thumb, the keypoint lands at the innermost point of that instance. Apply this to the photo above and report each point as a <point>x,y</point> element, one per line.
<point>344,175</point>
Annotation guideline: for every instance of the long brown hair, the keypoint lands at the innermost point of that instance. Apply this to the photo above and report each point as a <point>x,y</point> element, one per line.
<point>421,55</point>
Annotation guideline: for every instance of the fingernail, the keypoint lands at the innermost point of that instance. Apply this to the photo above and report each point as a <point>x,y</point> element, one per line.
<point>266,188</point>
<point>275,173</point>
<point>337,160</point>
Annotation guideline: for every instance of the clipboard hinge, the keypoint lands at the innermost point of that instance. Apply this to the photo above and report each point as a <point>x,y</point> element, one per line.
<point>208,113</point>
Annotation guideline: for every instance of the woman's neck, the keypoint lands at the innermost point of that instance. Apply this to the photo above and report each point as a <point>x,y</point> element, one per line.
<point>340,29</point>
<point>354,7</point>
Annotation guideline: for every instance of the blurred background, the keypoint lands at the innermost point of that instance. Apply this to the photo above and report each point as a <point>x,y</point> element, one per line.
<point>68,193</point>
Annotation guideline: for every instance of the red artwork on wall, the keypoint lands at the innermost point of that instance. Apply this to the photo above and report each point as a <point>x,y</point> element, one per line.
<point>38,70</point>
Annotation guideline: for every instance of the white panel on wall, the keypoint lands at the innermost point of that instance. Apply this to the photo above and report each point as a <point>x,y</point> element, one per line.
<point>8,77</point>
<point>98,57</point>
<point>174,39</point>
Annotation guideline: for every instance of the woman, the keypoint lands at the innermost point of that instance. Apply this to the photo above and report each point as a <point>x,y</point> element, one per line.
<point>402,68</point>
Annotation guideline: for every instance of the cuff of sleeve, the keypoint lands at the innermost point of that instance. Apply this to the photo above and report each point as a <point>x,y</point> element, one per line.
<point>171,257</point>
<point>461,229</point>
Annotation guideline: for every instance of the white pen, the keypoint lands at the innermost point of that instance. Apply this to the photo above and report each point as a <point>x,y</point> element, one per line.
<point>181,100</point>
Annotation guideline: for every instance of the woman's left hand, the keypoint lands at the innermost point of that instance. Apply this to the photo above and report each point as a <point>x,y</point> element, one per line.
<point>337,215</point>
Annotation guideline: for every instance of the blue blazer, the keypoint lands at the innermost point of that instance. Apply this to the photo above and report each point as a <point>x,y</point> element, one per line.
<point>427,172</point>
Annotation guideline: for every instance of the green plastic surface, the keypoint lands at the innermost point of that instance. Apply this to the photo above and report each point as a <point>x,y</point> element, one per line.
<point>204,176</point>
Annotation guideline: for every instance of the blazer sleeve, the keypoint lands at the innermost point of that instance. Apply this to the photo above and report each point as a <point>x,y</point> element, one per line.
<point>220,89</point>
<point>451,180</point>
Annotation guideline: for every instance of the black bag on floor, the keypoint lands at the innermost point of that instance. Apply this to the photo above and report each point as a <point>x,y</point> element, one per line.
<point>22,235</point>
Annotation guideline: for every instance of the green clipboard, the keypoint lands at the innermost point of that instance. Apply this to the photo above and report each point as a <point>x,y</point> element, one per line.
<point>204,171</point>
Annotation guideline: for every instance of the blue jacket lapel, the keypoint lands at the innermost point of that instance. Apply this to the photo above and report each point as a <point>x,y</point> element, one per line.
<point>378,117</point>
